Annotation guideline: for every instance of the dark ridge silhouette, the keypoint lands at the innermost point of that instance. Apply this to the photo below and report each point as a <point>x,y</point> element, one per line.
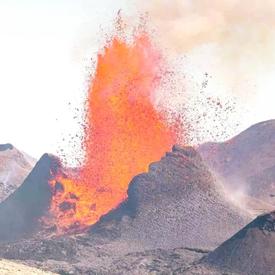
<point>250,251</point>
<point>7,146</point>
<point>20,212</point>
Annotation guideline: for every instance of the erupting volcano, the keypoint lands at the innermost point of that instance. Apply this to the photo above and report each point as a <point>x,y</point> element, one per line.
<point>124,133</point>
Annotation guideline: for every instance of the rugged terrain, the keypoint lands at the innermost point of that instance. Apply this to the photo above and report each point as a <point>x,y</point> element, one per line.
<point>245,163</point>
<point>179,217</point>
<point>177,202</point>
<point>21,211</point>
<point>14,168</point>
<point>250,251</point>
<point>174,205</point>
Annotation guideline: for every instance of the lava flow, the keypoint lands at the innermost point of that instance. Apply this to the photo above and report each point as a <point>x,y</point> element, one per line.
<point>124,133</point>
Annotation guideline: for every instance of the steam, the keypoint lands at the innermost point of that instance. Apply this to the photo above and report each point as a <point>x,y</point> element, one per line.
<point>238,194</point>
<point>233,41</point>
<point>241,27</point>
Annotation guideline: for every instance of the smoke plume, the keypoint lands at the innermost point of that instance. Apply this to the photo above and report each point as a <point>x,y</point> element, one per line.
<point>231,40</point>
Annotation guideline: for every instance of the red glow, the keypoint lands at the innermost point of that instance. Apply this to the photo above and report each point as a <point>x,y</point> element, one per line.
<point>124,133</point>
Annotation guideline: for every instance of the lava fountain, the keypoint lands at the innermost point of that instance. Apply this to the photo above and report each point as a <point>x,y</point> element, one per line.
<point>124,133</point>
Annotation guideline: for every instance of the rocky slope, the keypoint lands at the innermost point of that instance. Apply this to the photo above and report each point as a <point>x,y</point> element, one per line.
<point>176,204</point>
<point>250,251</point>
<point>14,168</point>
<point>246,163</point>
<point>21,211</point>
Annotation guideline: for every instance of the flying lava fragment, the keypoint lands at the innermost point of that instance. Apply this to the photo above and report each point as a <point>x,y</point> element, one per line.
<point>124,133</point>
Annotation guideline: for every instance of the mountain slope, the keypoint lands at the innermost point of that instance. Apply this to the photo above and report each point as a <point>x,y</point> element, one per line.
<point>21,211</point>
<point>14,168</point>
<point>175,204</point>
<point>250,251</point>
<point>246,163</point>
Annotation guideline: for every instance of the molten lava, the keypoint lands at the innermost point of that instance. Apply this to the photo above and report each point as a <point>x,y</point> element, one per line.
<point>124,133</point>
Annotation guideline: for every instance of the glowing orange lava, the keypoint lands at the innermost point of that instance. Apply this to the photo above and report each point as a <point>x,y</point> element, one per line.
<point>124,133</point>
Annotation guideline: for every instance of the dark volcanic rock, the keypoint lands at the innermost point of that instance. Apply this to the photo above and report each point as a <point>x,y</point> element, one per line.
<point>177,203</point>
<point>157,261</point>
<point>20,212</point>
<point>37,249</point>
<point>250,251</point>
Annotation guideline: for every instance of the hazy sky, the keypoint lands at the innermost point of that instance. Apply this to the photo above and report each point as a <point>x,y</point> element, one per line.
<point>46,48</point>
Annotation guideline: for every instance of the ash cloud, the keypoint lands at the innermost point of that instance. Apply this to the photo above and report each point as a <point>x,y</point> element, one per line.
<point>241,33</point>
<point>231,40</point>
<point>246,25</point>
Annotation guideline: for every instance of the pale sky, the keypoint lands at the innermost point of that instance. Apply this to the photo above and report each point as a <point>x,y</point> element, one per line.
<point>45,53</point>
<point>45,49</point>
